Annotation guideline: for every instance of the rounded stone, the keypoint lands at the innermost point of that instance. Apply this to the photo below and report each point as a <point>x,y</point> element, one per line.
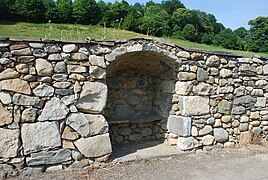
<point>243,127</point>
<point>221,135</point>
<point>146,132</point>
<point>208,140</point>
<point>134,137</point>
<point>119,139</point>
<point>226,119</point>
<point>125,131</point>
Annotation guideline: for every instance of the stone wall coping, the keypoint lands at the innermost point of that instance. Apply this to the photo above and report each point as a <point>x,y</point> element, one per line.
<point>112,43</point>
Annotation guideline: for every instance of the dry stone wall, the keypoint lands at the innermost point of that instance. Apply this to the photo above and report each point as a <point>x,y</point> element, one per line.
<point>54,109</point>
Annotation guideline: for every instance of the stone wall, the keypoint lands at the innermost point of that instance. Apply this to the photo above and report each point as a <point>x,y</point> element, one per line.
<point>53,99</point>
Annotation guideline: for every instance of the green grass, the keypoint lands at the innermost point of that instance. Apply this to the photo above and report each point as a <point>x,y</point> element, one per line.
<point>80,32</point>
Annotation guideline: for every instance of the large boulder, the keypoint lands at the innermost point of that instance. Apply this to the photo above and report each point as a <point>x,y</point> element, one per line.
<point>54,109</point>
<point>40,136</point>
<point>9,142</point>
<point>93,97</point>
<point>49,157</point>
<point>87,124</point>
<point>96,146</point>
<point>194,105</point>
<point>179,125</point>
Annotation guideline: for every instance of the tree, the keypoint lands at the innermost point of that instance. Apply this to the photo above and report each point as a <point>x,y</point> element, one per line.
<point>51,10</point>
<point>155,21</point>
<point>64,11</point>
<point>86,12</point>
<point>170,6</point>
<point>189,32</point>
<point>30,10</point>
<point>5,9</point>
<point>226,39</point>
<point>257,38</point>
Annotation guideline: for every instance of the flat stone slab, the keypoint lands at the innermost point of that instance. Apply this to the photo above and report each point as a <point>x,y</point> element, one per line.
<point>143,150</point>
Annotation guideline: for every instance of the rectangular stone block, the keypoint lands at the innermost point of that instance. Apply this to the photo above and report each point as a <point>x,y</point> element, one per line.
<point>194,105</point>
<point>9,142</point>
<point>40,136</point>
<point>49,157</point>
<point>179,125</point>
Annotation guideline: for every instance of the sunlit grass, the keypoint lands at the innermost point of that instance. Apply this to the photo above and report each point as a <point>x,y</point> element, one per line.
<point>80,32</point>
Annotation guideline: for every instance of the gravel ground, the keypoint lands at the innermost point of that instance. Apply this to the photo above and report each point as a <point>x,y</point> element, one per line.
<point>249,162</point>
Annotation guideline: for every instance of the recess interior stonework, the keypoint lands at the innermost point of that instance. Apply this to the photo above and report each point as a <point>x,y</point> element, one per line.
<point>65,101</point>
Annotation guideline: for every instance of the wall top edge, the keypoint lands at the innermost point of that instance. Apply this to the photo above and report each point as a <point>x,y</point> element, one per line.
<point>112,43</point>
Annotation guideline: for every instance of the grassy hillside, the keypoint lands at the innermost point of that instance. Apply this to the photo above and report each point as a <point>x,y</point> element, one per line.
<point>80,32</point>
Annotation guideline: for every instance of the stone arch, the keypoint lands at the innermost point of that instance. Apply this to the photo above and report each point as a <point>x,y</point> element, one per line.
<point>141,82</point>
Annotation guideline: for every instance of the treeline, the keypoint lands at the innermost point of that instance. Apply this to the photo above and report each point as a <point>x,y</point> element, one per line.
<point>169,18</point>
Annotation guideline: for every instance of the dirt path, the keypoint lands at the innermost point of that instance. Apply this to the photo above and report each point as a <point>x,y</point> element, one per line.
<point>249,162</point>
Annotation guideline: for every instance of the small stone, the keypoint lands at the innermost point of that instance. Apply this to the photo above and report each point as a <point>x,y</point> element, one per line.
<point>183,88</point>
<point>226,119</point>
<point>186,143</point>
<point>77,77</point>
<point>97,61</point>
<point>185,76</point>
<point>202,75</point>
<point>119,139</point>
<point>77,87</point>
<point>184,54</point>
<point>55,57</point>
<point>225,107</point>
<point>54,109</point>
<point>146,132</point>
<point>125,131</point>
<point>70,134</point>
<point>79,57</point>
<point>244,119</point>
<point>257,92</point>
<point>5,98</point>
<point>22,68</point>
<point>97,72</point>
<point>254,115</point>
<point>220,134</point>
<point>22,52</point>
<point>52,48</point>
<point>9,74</point>
<point>43,90</point>
<point>208,140</point>
<point>23,100</point>
<point>60,77</point>
<point>206,130</point>
<point>43,67</point>
<point>67,100</point>
<point>60,67</point>
<point>194,131</point>
<point>238,110</point>
<point>235,123</point>
<point>16,85</point>
<point>39,53</point>
<point>37,45</point>
<point>67,144</point>
<point>261,102</point>
<point>76,69</point>
<point>62,85</point>
<point>229,145</point>
<point>213,61</point>
<point>68,48</point>
<point>29,115</point>
<point>5,61</point>
<point>94,146</point>
<point>243,127</point>
<point>225,73</point>
<point>255,123</point>
<point>134,137</point>
<point>6,116</point>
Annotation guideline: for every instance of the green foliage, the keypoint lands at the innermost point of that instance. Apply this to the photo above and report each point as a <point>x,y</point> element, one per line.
<point>64,10</point>
<point>86,12</point>
<point>257,38</point>
<point>30,10</point>
<point>189,32</point>
<point>226,39</point>
<point>168,18</point>
<point>155,21</point>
